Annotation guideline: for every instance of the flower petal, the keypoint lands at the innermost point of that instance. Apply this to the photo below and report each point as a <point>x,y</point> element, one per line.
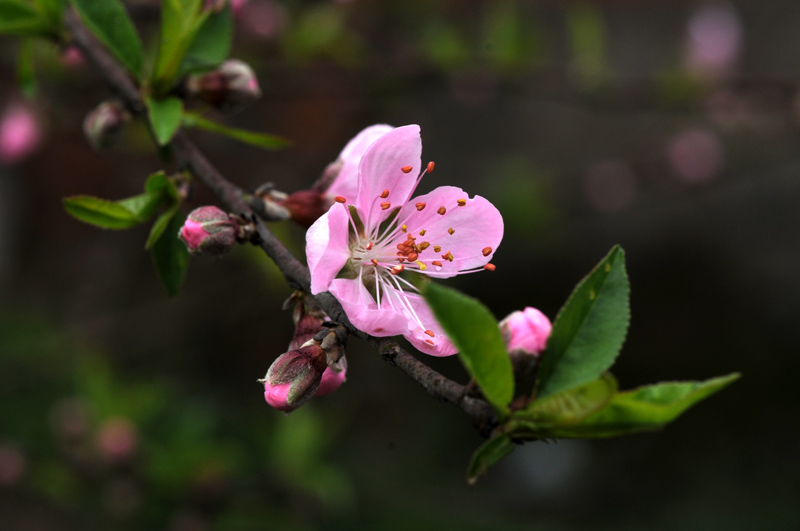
<point>438,344</point>
<point>470,233</point>
<point>363,311</point>
<point>327,247</point>
<point>346,183</point>
<point>380,170</point>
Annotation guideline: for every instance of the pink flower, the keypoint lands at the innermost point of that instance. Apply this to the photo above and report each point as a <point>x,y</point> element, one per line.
<point>374,231</point>
<point>20,134</point>
<point>526,331</point>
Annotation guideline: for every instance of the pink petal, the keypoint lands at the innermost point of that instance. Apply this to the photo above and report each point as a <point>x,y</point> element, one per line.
<point>346,183</point>
<point>477,229</point>
<point>380,170</point>
<point>363,311</point>
<point>327,247</point>
<point>438,344</point>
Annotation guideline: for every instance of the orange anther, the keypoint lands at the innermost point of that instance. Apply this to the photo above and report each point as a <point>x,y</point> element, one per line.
<point>437,248</point>
<point>420,206</point>
<point>430,333</point>
<point>385,205</point>
<point>385,194</point>
<point>428,341</point>
<point>490,267</point>
<point>461,202</point>
<point>451,230</point>
<point>424,245</point>
<point>406,169</point>
<point>442,210</point>
<point>448,256</point>
<point>397,269</point>
<point>487,251</point>
<point>430,166</point>
<point>422,232</point>
<point>374,262</point>
<point>413,257</point>
<point>340,199</point>
<point>437,263</point>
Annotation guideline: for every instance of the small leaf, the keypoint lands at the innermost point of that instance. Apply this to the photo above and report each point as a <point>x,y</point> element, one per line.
<point>109,22</point>
<point>18,18</point>
<point>487,455</point>
<point>211,45</point>
<point>165,117</point>
<point>571,406</point>
<point>171,256</point>
<point>100,213</point>
<point>261,140</point>
<point>26,78</point>
<point>160,225</point>
<point>159,183</point>
<point>589,330</point>
<point>646,408</point>
<point>474,331</point>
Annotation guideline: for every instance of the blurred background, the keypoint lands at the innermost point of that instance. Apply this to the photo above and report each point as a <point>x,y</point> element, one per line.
<point>671,128</point>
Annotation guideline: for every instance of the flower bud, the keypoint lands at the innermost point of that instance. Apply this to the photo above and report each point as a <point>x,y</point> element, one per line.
<point>104,124</point>
<point>209,231</point>
<point>294,377</point>
<point>526,331</point>
<point>20,133</point>
<point>231,87</point>
<point>333,377</point>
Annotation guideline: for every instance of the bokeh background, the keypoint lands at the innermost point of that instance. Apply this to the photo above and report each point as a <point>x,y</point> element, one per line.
<point>671,128</point>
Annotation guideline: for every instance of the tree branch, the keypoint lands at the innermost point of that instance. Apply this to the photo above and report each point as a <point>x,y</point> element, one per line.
<point>295,273</point>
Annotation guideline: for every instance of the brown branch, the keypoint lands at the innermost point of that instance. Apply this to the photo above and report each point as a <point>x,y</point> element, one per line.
<point>295,273</point>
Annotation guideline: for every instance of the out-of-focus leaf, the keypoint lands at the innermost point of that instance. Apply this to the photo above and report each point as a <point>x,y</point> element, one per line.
<point>261,140</point>
<point>100,213</point>
<point>180,22</point>
<point>26,78</point>
<point>211,45</point>
<point>19,18</point>
<point>165,117</point>
<point>142,206</point>
<point>159,183</point>
<point>474,331</point>
<point>487,455</point>
<point>160,225</point>
<point>109,22</point>
<point>589,330</point>
<point>53,10</point>
<point>171,256</point>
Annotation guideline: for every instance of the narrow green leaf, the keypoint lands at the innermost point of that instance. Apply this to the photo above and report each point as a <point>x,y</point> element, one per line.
<point>18,18</point>
<point>160,225</point>
<point>26,78</point>
<point>487,455</point>
<point>159,183</point>
<point>474,331</point>
<point>165,117</point>
<point>143,206</point>
<point>171,256</point>
<point>261,140</point>
<point>590,328</point>
<point>646,408</point>
<point>211,44</point>
<point>99,212</point>
<point>109,22</point>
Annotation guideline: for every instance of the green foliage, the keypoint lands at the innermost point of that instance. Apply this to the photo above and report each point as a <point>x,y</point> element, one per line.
<point>487,455</point>
<point>26,78</point>
<point>253,138</point>
<point>165,117</point>
<point>589,330</point>
<point>100,212</point>
<point>211,45</point>
<point>474,331</point>
<point>171,256</point>
<point>110,23</point>
<point>22,19</point>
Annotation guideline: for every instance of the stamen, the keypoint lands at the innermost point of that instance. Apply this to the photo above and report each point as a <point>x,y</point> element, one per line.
<point>448,256</point>
<point>428,341</point>
<point>404,228</point>
<point>406,169</point>
<point>385,205</point>
<point>374,262</point>
<point>413,257</point>
<point>430,333</point>
<point>450,230</point>
<point>422,232</point>
<point>420,206</point>
<point>396,270</point>
<point>424,245</point>
<point>442,210</point>
<point>422,267</point>
<point>369,246</point>
<point>430,166</point>
<point>384,194</point>
<point>461,202</point>
<point>437,248</point>
<point>487,251</point>
<point>340,199</point>
<point>490,267</point>
<point>437,263</point>
<point>401,259</point>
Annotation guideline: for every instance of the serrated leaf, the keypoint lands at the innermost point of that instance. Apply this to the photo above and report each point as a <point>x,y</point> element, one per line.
<point>165,117</point>
<point>171,256</point>
<point>210,45</point>
<point>18,18</point>
<point>589,330</point>
<point>261,140</point>
<point>109,22</point>
<point>646,408</point>
<point>487,455</point>
<point>100,212</point>
<point>475,332</point>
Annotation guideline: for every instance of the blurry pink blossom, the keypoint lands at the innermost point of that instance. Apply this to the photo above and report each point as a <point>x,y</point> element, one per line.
<point>714,38</point>
<point>696,155</point>
<point>262,19</point>
<point>117,439</point>
<point>20,133</point>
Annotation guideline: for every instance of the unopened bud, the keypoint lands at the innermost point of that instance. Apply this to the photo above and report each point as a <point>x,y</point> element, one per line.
<point>209,231</point>
<point>104,124</point>
<point>526,331</point>
<point>306,206</point>
<point>231,87</point>
<point>294,377</point>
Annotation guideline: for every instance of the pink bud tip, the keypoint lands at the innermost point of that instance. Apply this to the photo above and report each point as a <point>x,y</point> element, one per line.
<point>331,381</point>
<point>527,331</point>
<point>193,234</point>
<point>277,396</point>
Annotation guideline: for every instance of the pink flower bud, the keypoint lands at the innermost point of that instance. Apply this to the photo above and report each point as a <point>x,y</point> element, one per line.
<point>104,124</point>
<point>117,439</point>
<point>526,331</point>
<point>20,133</point>
<point>332,378</point>
<point>231,87</point>
<point>209,231</point>
<point>294,377</point>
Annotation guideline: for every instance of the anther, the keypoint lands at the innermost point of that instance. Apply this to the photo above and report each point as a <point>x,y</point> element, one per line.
<point>397,269</point>
<point>404,228</point>
<point>461,202</point>
<point>384,194</point>
<point>487,251</point>
<point>420,206</point>
<point>422,232</point>
<point>401,259</point>
<point>428,341</point>
<point>490,267</point>
<point>424,245</point>
<point>340,199</point>
<point>374,262</point>
<point>406,169</point>
<point>450,230</point>
<point>413,257</point>
<point>385,205</point>
<point>442,210</point>
<point>448,256</point>
<point>430,166</point>
<point>430,333</point>
<point>369,246</point>
<point>437,263</point>
<point>422,267</point>
<point>437,248</point>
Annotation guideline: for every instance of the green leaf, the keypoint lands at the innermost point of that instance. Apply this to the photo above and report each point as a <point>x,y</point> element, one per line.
<point>474,331</point>
<point>109,22</point>
<point>646,408</point>
<point>165,117</point>
<point>180,22</point>
<point>160,225</point>
<point>159,183</point>
<point>171,256</point>
<point>487,455</point>
<point>142,206</point>
<point>18,18</point>
<point>589,330</point>
<point>53,10</point>
<point>100,213</point>
<point>211,45</point>
<point>26,78</point>
<point>261,140</point>
<point>570,406</point>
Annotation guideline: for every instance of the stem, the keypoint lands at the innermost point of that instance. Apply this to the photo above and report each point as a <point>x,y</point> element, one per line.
<point>295,273</point>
